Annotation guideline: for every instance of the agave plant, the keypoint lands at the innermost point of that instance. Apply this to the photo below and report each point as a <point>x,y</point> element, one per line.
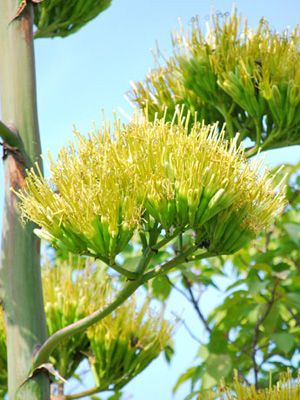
<point>247,78</point>
<point>150,177</point>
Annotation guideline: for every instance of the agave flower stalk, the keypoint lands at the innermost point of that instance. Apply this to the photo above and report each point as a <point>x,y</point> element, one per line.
<point>246,78</point>
<point>21,288</point>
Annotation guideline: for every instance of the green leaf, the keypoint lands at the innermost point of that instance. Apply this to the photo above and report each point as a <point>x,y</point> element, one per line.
<point>203,352</point>
<point>115,396</point>
<point>161,288</point>
<point>256,286</point>
<point>218,366</point>
<point>271,321</point>
<point>281,267</point>
<point>294,299</point>
<point>218,342</point>
<point>193,395</point>
<point>284,341</point>
<point>169,353</point>
<point>293,231</point>
<point>186,376</point>
<point>262,267</point>
<point>208,381</point>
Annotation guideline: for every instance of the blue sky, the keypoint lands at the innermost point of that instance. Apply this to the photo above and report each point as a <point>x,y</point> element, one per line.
<point>90,71</point>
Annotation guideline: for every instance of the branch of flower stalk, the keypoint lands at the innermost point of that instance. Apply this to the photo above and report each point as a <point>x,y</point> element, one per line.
<point>118,268</point>
<point>258,132</point>
<point>128,274</point>
<point>167,239</point>
<point>174,262</point>
<point>9,136</point>
<point>200,256</point>
<point>54,340</point>
<point>85,393</point>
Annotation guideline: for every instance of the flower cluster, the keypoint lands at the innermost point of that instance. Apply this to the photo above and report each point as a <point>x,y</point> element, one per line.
<point>104,189</point>
<point>248,79</point>
<point>126,340</point>
<point>124,343</point>
<point>56,18</point>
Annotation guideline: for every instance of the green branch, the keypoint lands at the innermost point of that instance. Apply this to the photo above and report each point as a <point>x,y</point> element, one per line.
<point>167,239</point>
<point>9,137</point>
<point>181,258</point>
<point>85,393</point>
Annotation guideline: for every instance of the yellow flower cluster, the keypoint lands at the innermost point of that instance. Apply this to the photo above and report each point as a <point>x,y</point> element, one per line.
<point>90,205</point>
<point>98,193</point>
<point>123,343</point>
<point>247,78</point>
<point>286,388</point>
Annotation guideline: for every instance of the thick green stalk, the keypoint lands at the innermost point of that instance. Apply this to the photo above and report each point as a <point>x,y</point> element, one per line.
<point>20,278</point>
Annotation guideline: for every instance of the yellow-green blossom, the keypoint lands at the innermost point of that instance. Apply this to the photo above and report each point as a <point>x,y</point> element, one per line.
<point>286,388</point>
<point>99,193</point>
<point>247,78</point>
<point>90,204</point>
<point>124,343</point>
<point>200,181</point>
<point>68,294</point>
